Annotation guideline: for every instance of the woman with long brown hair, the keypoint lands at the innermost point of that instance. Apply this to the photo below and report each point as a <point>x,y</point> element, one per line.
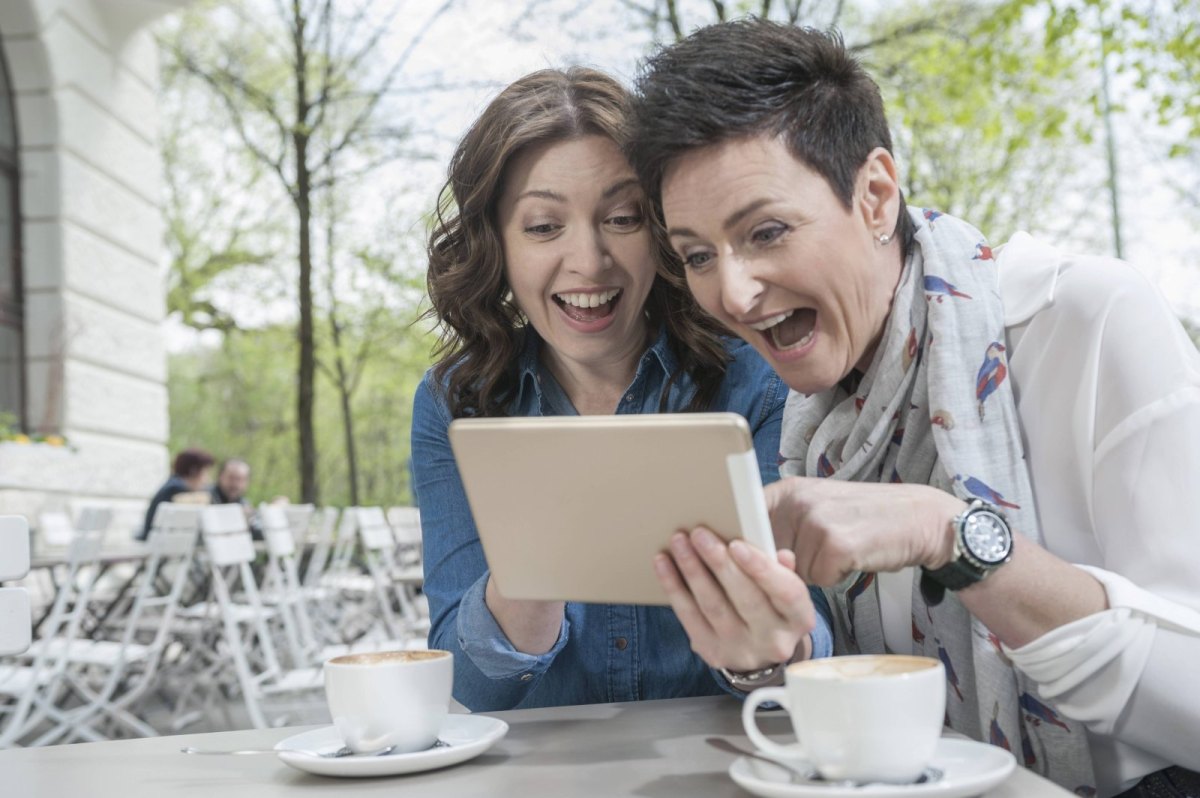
<point>546,279</point>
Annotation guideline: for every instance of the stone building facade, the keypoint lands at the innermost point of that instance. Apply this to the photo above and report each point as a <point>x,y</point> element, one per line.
<point>82,255</point>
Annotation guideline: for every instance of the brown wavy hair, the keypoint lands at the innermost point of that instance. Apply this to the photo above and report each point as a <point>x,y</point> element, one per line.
<point>481,328</point>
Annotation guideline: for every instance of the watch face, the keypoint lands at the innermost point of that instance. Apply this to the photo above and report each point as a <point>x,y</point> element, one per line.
<point>987,537</point>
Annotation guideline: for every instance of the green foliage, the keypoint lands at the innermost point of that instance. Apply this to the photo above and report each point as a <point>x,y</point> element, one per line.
<point>979,107</point>
<point>238,399</point>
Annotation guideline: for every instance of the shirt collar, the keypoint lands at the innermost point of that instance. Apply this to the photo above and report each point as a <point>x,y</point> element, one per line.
<point>529,364</point>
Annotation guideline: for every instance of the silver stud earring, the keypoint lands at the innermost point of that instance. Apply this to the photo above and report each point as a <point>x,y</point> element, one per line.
<point>884,239</point>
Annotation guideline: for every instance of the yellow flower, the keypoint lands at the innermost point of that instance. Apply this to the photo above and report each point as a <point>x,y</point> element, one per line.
<point>20,438</point>
<point>55,440</point>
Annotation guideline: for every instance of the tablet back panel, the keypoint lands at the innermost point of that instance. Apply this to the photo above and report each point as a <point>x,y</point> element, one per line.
<point>575,507</point>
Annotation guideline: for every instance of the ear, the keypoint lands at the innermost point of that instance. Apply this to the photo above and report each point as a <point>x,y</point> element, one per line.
<point>879,192</point>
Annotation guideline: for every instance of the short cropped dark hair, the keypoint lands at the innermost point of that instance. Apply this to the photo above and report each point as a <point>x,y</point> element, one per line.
<point>753,77</point>
<point>190,462</point>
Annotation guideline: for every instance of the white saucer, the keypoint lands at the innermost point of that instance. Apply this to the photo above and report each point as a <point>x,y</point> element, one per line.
<point>968,768</point>
<point>463,737</point>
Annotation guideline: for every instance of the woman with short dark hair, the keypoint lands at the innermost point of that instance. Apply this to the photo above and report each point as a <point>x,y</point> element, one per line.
<point>189,473</point>
<point>1008,436</point>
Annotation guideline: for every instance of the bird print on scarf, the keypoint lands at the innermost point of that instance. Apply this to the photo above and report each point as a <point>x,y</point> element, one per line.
<point>981,490</point>
<point>939,289</point>
<point>991,374</point>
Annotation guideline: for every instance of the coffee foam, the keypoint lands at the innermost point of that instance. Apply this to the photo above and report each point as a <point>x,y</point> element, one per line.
<point>387,657</point>
<point>860,667</point>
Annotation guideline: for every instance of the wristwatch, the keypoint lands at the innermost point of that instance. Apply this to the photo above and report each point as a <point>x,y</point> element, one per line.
<point>746,681</point>
<point>982,543</point>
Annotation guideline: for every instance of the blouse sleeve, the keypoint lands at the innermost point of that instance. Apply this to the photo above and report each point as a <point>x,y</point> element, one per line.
<point>1127,672</point>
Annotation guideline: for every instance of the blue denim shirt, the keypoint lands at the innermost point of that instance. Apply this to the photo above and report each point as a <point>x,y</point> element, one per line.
<point>604,652</point>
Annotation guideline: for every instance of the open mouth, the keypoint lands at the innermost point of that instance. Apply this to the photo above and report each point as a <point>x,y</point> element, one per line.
<point>591,306</point>
<point>789,330</point>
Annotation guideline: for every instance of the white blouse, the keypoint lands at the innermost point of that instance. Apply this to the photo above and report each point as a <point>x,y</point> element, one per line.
<point>1108,393</point>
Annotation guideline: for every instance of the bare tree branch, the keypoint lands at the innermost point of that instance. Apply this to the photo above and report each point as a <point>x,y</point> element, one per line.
<point>904,31</point>
<point>358,123</point>
<point>673,20</point>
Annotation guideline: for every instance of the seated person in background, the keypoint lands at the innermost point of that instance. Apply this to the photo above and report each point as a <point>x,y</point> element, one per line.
<point>544,274</point>
<point>189,473</point>
<point>1019,413</point>
<point>233,477</point>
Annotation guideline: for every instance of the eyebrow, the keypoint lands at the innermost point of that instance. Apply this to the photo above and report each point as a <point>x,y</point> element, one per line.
<point>554,196</point>
<point>543,194</point>
<point>619,186</point>
<point>731,221</point>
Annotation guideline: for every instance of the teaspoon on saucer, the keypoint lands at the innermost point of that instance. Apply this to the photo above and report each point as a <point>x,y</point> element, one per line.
<point>930,774</point>
<point>721,744</point>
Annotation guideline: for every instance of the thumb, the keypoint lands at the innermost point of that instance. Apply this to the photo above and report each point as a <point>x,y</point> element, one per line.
<point>786,558</point>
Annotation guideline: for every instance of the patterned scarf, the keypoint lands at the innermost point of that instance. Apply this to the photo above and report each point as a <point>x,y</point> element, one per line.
<point>935,408</point>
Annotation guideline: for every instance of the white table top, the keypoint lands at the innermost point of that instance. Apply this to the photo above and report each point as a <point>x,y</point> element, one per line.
<point>653,749</point>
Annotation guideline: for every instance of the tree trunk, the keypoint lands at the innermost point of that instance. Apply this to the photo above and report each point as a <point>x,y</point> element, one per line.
<point>305,393</point>
<point>347,427</point>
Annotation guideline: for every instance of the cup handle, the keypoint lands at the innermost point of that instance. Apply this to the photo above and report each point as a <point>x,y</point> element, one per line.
<point>761,696</point>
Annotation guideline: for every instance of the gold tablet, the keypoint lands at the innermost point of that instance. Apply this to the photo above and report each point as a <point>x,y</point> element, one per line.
<point>574,508</point>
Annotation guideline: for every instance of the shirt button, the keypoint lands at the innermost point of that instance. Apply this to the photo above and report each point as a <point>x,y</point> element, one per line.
<point>629,398</point>
<point>526,677</point>
<point>622,644</point>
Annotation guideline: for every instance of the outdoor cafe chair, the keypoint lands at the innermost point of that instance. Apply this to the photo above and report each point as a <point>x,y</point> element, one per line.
<point>282,588</point>
<point>322,526</point>
<point>111,676</point>
<point>268,688</point>
<point>36,687</point>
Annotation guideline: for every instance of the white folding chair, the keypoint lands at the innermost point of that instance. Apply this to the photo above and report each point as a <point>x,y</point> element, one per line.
<point>322,526</point>
<point>37,691</point>
<point>110,676</point>
<point>285,591</point>
<point>409,571</point>
<point>245,634</point>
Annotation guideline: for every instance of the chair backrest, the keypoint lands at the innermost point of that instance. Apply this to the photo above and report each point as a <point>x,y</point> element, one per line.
<point>226,534</point>
<point>277,532</point>
<point>406,525</point>
<point>55,528</point>
<point>93,518</point>
<point>373,529</point>
<point>299,516</point>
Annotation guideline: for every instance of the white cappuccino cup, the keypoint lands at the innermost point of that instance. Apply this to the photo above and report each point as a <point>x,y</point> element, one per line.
<point>874,718</point>
<point>389,699</point>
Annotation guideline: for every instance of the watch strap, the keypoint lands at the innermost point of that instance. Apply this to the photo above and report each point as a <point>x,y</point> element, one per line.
<point>746,681</point>
<point>960,572</point>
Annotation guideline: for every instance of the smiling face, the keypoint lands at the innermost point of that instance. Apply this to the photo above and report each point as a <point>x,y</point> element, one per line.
<point>772,253</point>
<point>577,251</point>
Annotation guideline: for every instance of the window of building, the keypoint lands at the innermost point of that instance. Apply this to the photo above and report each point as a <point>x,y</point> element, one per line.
<point>12,304</point>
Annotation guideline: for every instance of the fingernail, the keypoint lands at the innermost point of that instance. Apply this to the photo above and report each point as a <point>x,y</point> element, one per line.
<point>740,551</point>
<point>704,539</point>
<point>662,565</point>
